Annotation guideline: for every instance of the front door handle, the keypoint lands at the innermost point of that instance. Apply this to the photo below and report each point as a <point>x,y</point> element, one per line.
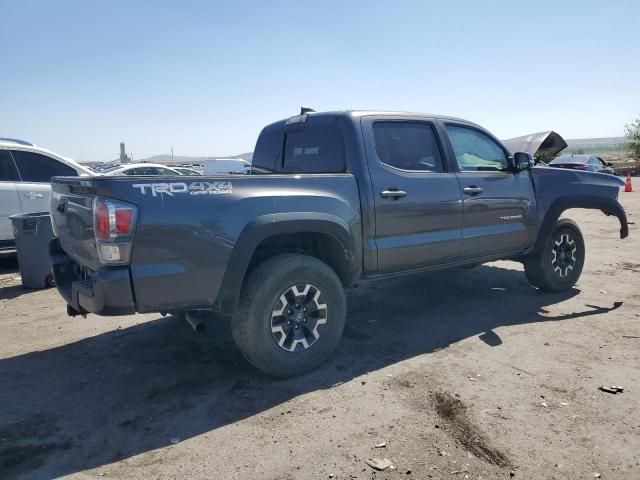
<point>472,190</point>
<point>393,194</point>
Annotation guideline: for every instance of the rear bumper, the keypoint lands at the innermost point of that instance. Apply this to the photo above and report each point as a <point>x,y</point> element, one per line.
<point>103,292</point>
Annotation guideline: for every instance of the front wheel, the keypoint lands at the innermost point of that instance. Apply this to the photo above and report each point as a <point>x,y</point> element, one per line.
<point>558,265</point>
<point>291,315</point>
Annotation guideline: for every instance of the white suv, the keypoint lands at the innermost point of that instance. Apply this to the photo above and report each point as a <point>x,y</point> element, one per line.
<point>25,174</point>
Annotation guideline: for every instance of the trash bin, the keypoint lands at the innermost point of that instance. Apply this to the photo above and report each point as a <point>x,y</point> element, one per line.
<point>33,232</point>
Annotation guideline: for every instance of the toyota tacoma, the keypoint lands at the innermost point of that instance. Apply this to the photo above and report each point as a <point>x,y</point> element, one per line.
<point>331,197</point>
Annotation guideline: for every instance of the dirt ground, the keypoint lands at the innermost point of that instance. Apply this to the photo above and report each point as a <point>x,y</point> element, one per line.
<point>468,373</point>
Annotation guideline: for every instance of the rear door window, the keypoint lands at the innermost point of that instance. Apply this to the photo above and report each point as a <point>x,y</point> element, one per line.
<point>8,172</point>
<point>313,149</point>
<point>408,146</point>
<point>34,167</point>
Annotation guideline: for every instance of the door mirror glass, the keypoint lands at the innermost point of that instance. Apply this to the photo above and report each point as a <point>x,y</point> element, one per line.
<point>522,161</point>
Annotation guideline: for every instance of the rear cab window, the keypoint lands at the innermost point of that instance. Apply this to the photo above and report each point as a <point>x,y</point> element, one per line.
<point>37,168</point>
<point>313,149</point>
<point>313,146</point>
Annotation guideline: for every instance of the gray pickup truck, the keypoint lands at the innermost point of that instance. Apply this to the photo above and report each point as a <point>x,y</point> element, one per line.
<point>332,197</point>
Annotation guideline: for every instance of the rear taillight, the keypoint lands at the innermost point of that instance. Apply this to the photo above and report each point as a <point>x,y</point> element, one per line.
<point>101,227</point>
<point>113,226</point>
<point>123,221</point>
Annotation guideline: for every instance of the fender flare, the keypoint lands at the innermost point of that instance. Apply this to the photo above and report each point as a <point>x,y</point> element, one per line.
<point>608,206</point>
<point>265,226</point>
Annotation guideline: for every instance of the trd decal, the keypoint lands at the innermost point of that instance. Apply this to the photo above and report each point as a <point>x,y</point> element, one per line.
<point>192,188</point>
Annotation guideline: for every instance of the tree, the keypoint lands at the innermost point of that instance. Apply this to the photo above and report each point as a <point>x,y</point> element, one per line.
<point>632,138</point>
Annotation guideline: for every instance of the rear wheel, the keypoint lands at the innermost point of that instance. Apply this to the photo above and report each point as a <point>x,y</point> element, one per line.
<point>291,315</point>
<point>558,265</point>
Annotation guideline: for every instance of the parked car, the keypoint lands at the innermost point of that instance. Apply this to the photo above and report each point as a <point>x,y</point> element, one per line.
<point>587,163</point>
<point>186,171</point>
<point>343,195</point>
<point>25,173</point>
<point>142,169</point>
<point>223,166</point>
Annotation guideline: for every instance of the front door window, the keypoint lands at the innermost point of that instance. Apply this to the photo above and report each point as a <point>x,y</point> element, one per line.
<point>475,151</point>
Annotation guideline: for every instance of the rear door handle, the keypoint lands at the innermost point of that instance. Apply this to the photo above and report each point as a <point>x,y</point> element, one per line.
<point>393,194</point>
<point>472,190</point>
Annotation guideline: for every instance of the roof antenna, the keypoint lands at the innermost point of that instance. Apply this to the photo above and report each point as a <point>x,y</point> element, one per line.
<point>305,110</point>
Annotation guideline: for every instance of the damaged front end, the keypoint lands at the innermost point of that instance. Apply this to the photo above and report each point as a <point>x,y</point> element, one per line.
<point>558,190</point>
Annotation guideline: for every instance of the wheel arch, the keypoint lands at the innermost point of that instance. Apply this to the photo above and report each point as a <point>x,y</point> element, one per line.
<point>608,206</point>
<point>324,236</point>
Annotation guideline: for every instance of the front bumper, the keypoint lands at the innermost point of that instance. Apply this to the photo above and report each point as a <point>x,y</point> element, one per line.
<point>103,292</point>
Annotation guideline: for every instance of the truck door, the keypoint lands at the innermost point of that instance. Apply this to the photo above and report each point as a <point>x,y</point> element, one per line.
<point>499,206</point>
<point>9,200</point>
<point>418,208</point>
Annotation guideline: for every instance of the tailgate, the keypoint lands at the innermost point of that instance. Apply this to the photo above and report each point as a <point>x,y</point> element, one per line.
<point>72,217</point>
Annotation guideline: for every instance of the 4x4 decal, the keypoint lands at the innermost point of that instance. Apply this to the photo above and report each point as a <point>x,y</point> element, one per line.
<point>192,188</point>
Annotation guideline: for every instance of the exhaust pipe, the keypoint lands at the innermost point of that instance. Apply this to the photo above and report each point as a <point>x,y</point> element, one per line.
<point>196,321</point>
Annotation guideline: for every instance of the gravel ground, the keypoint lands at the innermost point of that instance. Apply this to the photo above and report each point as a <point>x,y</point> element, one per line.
<point>462,374</point>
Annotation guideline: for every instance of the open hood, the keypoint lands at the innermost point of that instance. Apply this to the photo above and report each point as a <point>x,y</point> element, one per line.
<point>542,143</point>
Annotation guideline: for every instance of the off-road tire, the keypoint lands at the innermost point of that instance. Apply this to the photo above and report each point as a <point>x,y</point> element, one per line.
<point>264,288</point>
<point>544,269</point>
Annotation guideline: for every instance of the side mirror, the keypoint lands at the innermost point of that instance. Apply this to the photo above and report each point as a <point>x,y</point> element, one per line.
<point>609,164</point>
<point>522,161</point>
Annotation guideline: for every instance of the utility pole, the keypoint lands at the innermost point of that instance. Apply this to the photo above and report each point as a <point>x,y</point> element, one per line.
<point>171,155</point>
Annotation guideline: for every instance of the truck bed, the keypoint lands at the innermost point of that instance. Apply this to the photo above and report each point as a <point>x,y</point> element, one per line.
<point>188,228</point>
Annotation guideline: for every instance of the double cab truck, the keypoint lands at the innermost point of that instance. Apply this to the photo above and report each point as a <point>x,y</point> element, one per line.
<point>331,197</point>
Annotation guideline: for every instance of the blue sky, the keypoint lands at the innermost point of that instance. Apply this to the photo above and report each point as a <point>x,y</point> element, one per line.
<point>78,77</point>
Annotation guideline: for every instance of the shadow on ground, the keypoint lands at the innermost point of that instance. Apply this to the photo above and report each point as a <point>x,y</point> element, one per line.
<point>129,391</point>
<point>8,263</point>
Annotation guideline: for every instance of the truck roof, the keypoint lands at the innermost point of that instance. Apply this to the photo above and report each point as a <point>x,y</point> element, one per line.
<point>366,113</point>
<point>356,114</point>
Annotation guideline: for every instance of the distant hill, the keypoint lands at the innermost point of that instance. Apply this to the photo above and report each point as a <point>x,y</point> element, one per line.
<point>596,141</point>
<point>593,145</point>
